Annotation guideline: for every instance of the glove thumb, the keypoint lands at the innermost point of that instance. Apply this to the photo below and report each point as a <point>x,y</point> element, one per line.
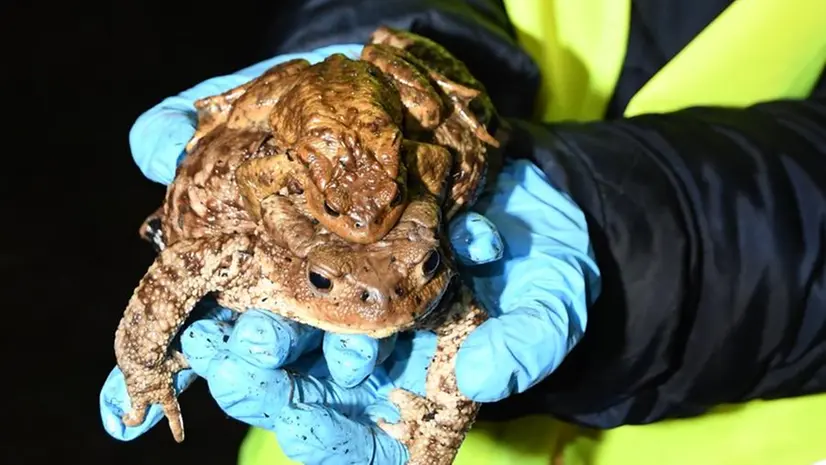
<point>475,239</point>
<point>511,353</point>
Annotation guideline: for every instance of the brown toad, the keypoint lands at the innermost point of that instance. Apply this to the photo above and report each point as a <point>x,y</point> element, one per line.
<point>347,122</point>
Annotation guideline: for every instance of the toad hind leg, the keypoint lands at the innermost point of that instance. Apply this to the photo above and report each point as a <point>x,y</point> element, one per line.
<point>434,427</point>
<point>461,98</point>
<point>421,101</point>
<point>459,129</point>
<point>434,61</point>
<point>181,275</point>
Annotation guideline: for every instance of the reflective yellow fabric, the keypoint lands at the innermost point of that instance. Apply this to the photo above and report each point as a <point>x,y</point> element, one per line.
<point>579,46</point>
<point>757,50</point>
<point>779,432</point>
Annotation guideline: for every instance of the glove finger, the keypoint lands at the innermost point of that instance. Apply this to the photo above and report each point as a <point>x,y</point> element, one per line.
<point>114,403</point>
<point>202,341</point>
<point>510,353</point>
<point>382,410</point>
<point>247,392</point>
<point>262,338</point>
<point>475,239</point>
<point>255,394</point>
<point>407,365</point>
<point>271,341</point>
<point>159,137</point>
<point>314,434</point>
<point>352,357</point>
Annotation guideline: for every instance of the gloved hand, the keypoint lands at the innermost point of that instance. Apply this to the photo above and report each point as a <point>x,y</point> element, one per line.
<point>157,140</point>
<point>537,294</point>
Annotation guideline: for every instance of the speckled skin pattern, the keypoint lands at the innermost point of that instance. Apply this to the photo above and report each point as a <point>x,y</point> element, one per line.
<point>245,220</point>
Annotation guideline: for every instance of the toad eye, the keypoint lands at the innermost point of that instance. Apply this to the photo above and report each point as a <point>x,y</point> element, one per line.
<point>319,282</point>
<point>431,263</point>
<point>330,210</point>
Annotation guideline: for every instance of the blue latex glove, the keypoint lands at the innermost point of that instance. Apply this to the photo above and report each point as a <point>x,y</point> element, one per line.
<point>157,140</point>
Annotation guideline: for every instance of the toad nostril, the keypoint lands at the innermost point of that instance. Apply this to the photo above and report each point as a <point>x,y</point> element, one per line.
<point>399,290</point>
<point>397,199</point>
<point>431,263</point>
<point>330,210</point>
<point>364,296</point>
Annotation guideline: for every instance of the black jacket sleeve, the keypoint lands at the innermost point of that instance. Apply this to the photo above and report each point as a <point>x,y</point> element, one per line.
<point>708,225</point>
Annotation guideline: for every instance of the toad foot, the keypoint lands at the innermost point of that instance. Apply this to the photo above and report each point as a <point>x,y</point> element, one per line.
<point>156,388</point>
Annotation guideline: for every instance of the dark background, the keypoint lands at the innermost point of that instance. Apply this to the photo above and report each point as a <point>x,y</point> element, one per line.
<point>76,75</point>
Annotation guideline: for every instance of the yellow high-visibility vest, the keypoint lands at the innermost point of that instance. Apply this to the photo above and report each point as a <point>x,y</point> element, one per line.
<point>755,51</point>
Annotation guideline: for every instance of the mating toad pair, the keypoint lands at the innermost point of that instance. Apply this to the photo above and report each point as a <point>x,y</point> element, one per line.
<point>321,193</point>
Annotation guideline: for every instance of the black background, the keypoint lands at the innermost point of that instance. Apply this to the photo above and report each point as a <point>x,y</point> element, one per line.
<point>76,75</point>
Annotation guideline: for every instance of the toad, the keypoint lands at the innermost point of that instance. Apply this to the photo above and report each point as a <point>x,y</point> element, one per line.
<point>347,123</point>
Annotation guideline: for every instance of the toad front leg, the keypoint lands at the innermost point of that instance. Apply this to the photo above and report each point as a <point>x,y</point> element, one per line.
<point>270,186</point>
<point>433,427</point>
<point>247,104</point>
<point>181,275</point>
